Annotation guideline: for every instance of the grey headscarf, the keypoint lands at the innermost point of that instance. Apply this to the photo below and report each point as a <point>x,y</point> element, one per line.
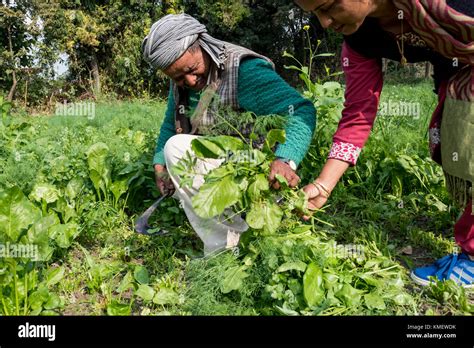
<point>172,35</point>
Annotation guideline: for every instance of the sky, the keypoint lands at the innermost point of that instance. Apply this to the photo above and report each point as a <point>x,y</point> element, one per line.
<point>61,65</point>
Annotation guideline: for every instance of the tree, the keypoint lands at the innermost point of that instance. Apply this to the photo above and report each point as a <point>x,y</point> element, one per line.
<point>102,40</point>
<point>19,32</point>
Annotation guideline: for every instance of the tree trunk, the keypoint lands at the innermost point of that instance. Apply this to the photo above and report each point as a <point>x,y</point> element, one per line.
<point>96,76</point>
<point>26,92</point>
<point>384,65</point>
<point>11,93</point>
<point>427,69</point>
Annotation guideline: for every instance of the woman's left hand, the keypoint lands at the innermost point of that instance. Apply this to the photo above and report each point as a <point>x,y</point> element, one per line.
<point>316,198</point>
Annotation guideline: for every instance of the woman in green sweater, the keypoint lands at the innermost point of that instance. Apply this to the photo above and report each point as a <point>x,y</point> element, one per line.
<point>202,67</point>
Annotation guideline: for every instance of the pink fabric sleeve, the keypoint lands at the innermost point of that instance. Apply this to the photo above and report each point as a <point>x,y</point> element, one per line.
<point>364,81</point>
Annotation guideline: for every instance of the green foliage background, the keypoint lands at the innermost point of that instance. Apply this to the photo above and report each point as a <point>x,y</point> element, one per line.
<point>107,34</point>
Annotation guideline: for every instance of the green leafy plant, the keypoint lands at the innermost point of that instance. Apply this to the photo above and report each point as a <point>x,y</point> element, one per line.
<point>327,96</point>
<point>5,107</point>
<point>240,182</point>
<point>48,199</point>
<point>27,228</point>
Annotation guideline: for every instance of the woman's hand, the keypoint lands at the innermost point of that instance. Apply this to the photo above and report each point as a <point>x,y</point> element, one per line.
<point>283,169</point>
<point>163,180</point>
<point>317,198</point>
<point>319,190</point>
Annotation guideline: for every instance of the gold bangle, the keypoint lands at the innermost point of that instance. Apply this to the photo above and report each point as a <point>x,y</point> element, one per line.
<point>324,187</point>
<point>321,189</point>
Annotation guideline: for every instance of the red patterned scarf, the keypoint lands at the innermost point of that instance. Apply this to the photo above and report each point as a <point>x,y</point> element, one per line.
<point>444,29</point>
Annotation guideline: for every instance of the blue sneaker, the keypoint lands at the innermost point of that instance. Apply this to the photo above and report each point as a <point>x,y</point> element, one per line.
<point>456,267</point>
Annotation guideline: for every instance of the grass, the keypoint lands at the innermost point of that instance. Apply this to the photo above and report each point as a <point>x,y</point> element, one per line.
<point>379,204</point>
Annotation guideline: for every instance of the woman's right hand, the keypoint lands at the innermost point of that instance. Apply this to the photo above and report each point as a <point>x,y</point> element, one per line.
<point>163,180</point>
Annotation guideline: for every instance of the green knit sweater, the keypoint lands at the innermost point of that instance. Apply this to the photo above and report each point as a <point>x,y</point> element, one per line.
<point>261,91</point>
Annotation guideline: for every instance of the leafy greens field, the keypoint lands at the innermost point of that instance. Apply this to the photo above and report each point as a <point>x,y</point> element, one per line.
<point>74,186</point>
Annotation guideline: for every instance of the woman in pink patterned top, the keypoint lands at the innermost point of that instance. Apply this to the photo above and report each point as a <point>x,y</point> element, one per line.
<point>439,31</point>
